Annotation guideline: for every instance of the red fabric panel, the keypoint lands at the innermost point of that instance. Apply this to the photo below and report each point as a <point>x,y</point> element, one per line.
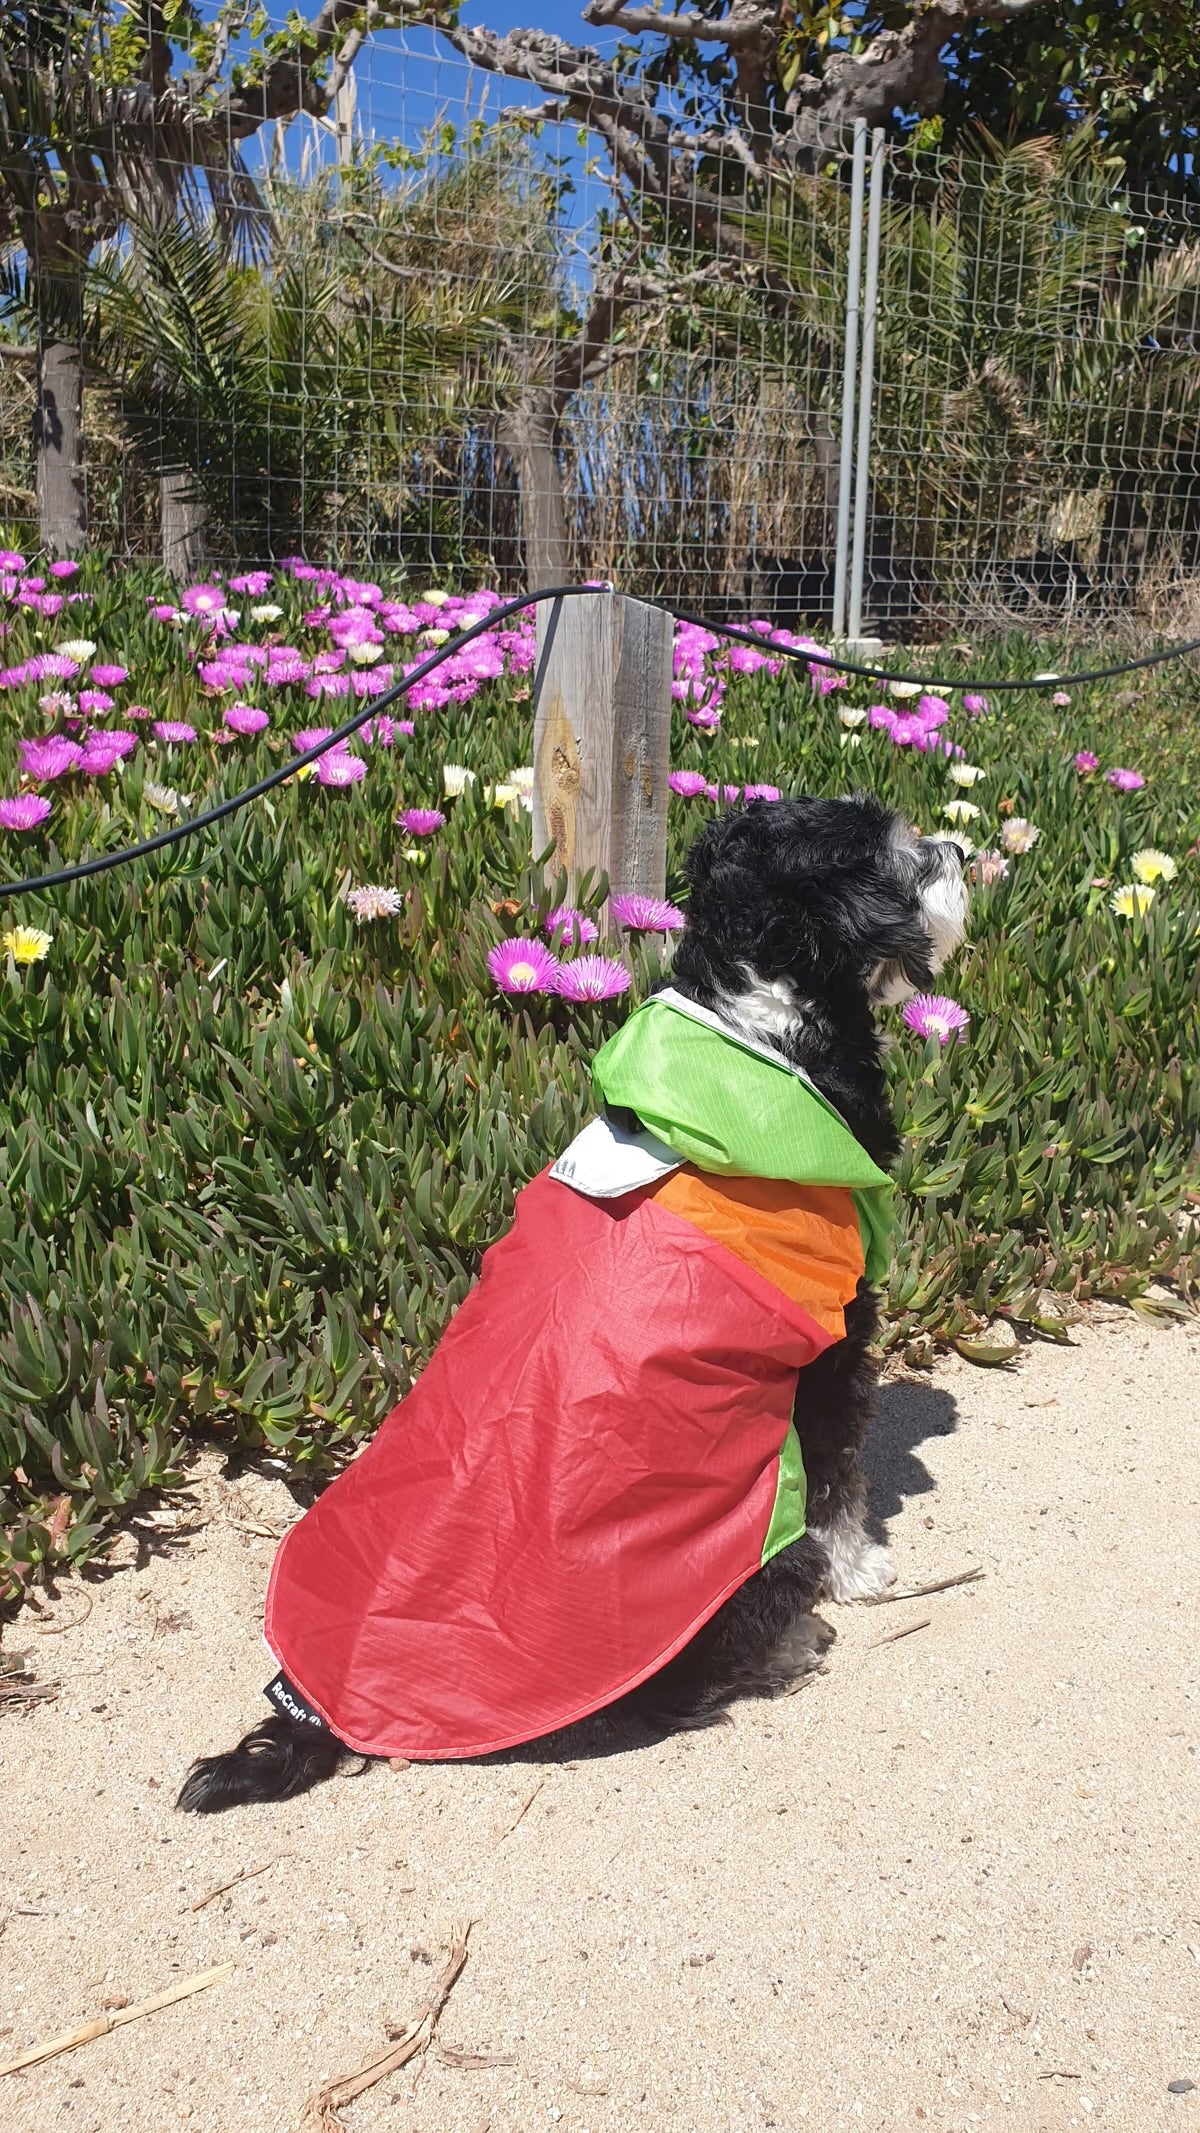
<point>583,1472</point>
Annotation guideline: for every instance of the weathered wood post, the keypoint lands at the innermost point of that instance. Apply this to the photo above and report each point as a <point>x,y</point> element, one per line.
<point>602,739</point>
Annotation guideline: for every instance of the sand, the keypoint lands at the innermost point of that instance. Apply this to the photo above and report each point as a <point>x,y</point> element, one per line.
<point>951,1884</point>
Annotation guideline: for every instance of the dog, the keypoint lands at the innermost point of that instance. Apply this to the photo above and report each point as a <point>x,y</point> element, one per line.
<point>805,917</point>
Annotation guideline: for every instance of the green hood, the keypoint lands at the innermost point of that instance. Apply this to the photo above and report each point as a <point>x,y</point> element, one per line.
<point>729,1107</point>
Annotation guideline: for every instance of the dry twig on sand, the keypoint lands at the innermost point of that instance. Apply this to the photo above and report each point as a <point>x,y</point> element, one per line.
<point>894,1635</point>
<point>17,1684</point>
<point>521,1813</point>
<point>247,1874</point>
<point>321,2110</point>
<point>181,1990</point>
<point>922,1592</point>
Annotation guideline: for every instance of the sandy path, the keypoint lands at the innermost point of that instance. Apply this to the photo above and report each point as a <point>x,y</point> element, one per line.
<point>951,1884</point>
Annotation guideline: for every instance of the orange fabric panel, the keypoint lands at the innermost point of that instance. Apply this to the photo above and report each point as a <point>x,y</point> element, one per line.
<point>804,1239</point>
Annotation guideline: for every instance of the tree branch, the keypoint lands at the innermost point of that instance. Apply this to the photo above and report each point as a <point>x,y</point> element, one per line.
<point>742,26</point>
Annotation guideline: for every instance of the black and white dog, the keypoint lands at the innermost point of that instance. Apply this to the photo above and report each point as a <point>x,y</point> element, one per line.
<point>805,916</point>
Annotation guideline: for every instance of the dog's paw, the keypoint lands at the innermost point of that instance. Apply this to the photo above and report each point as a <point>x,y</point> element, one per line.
<point>859,1569</point>
<point>802,1648</point>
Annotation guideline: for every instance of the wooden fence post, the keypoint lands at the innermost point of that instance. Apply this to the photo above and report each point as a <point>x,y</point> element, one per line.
<point>602,739</point>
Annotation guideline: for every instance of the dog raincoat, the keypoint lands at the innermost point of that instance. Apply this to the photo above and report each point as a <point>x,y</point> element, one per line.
<point>601,1449</point>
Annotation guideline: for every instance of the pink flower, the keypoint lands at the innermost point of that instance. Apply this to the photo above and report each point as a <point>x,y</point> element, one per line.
<point>138,711</point>
<point>646,914</point>
<point>51,666</point>
<point>422,821</point>
<point>254,582</point>
<point>592,977</point>
<point>689,784</point>
<point>110,677</point>
<point>931,1014</point>
<point>975,706</point>
<point>51,758</point>
<point>574,928</point>
<point>93,701</point>
<point>10,560</point>
<point>761,792</point>
<point>1126,780</point>
<point>64,568</point>
<point>1060,699</point>
<point>338,767</point>
<point>523,966</point>
<point>173,732</point>
<point>24,812</point>
<point>203,600</point>
<point>722,792</point>
<point>245,718</point>
<point>1084,762</point>
<point>309,737</point>
<point>987,867</point>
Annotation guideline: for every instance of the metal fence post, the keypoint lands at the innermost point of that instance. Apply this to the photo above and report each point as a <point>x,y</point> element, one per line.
<point>602,739</point>
<point>866,388</point>
<point>849,376</point>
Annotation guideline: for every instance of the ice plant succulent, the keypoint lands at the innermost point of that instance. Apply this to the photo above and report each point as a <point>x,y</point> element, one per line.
<point>1126,780</point>
<point>372,900</point>
<point>960,811</point>
<point>1150,865</point>
<point>421,821</point>
<point>520,966</point>
<point>689,784</point>
<point>932,1014</point>
<point>26,944</point>
<point>570,928</point>
<point>1085,762</point>
<point>173,732</point>
<point>24,811</point>
<point>646,914</point>
<point>1133,900</point>
<point>592,977</point>
<point>965,774</point>
<point>1018,835</point>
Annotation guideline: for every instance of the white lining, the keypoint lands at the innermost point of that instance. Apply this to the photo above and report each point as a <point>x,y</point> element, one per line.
<point>606,1160</point>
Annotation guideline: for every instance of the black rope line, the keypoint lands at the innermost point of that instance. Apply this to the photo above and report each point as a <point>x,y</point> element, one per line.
<point>495,615</point>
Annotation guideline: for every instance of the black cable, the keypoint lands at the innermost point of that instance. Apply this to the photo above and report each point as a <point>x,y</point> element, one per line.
<point>495,615</point>
<point>921,681</point>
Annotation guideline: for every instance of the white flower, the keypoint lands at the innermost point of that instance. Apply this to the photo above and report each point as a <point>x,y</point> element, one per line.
<point>77,648</point>
<point>162,797</point>
<point>1132,901</point>
<point>372,901</point>
<point>966,774</point>
<point>851,740</point>
<point>904,688</point>
<point>435,599</point>
<point>1151,865</point>
<point>961,811</point>
<point>265,614</point>
<point>523,778</point>
<point>1019,835</point>
<point>850,717</point>
<point>434,636</point>
<point>502,795</point>
<point>455,779</point>
<point>363,653</point>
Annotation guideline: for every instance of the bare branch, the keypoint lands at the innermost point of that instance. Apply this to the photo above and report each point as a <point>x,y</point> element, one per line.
<point>742,26</point>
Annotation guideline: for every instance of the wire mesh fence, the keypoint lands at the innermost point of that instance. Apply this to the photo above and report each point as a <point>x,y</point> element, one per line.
<point>436,329</point>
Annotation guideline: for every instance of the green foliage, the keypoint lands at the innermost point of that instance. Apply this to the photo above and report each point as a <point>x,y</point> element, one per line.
<point>253,1152</point>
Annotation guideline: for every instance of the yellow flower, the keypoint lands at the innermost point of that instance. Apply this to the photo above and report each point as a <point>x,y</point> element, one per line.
<point>27,944</point>
<point>503,795</point>
<point>434,636</point>
<point>1133,901</point>
<point>1151,865</point>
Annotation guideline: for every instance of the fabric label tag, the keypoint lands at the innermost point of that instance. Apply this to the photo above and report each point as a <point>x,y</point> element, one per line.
<point>287,1699</point>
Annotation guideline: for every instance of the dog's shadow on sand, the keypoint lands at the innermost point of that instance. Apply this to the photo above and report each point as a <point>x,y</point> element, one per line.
<point>908,1414</point>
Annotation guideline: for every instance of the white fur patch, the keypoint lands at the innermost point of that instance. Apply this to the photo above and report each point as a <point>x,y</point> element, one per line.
<point>858,1568</point>
<point>944,910</point>
<point>768,1008</point>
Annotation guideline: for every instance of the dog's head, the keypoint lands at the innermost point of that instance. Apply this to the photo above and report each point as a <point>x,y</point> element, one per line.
<point>830,900</point>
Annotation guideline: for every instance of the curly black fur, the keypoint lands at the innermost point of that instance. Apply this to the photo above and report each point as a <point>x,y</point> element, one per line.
<point>274,1761</point>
